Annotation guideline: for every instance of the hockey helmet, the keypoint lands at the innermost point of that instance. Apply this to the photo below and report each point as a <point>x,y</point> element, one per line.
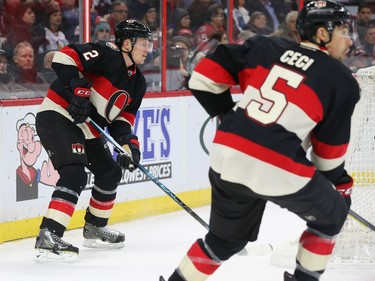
<point>321,13</point>
<point>131,29</point>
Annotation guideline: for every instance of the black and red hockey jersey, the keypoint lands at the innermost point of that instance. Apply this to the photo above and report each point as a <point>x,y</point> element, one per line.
<point>116,92</point>
<point>295,96</point>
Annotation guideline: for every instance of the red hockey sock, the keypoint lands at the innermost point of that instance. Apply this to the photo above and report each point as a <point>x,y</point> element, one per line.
<point>197,264</point>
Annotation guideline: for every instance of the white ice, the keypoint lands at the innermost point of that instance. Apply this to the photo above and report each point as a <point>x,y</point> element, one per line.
<point>154,247</point>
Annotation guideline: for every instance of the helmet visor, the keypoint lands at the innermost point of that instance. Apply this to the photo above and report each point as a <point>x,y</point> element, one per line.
<point>144,44</point>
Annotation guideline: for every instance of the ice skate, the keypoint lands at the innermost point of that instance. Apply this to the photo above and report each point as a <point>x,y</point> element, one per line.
<point>102,237</point>
<point>289,277</point>
<point>50,247</point>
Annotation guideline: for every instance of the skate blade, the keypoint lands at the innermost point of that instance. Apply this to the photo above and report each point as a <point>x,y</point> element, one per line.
<point>99,244</point>
<point>42,255</point>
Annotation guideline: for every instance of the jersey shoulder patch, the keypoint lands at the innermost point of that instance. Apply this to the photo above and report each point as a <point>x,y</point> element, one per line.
<point>112,46</point>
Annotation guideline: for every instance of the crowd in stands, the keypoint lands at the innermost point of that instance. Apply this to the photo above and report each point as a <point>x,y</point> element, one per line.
<point>31,31</point>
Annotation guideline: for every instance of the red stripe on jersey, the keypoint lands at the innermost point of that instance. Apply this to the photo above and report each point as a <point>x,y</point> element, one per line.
<point>263,154</point>
<point>105,88</point>
<point>128,116</point>
<point>328,151</point>
<point>316,244</point>
<point>302,96</point>
<point>73,54</point>
<point>215,72</point>
<point>56,98</point>
<point>64,207</point>
<point>102,205</point>
<point>201,261</point>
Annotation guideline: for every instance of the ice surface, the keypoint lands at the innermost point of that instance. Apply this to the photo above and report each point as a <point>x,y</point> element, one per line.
<point>154,246</point>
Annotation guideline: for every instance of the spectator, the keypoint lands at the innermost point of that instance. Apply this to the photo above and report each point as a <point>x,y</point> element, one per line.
<point>102,7</point>
<point>102,30</point>
<point>53,24</point>
<point>138,8</point>
<point>198,12</point>
<point>363,21</point>
<point>289,29</point>
<point>7,17</point>
<point>369,42</point>
<point>119,13</point>
<point>274,10</point>
<point>47,72</point>
<point>41,8</point>
<point>180,20</point>
<point>70,20</point>
<point>186,33</point>
<point>28,82</point>
<point>172,5</point>
<point>5,78</point>
<point>150,19</point>
<point>241,15</point>
<point>177,63</point>
<point>258,24</point>
<point>24,29</point>
<point>214,24</point>
<point>24,70</point>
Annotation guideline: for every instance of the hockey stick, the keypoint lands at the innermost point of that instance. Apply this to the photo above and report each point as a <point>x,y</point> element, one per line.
<point>258,250</point>
<point>151,176</point>
<point>362,220</point>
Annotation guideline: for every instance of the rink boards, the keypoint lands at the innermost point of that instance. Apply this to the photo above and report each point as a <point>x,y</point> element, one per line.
<point>174,134</point>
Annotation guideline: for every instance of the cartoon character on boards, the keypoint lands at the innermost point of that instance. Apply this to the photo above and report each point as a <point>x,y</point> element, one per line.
<point>29,150</point>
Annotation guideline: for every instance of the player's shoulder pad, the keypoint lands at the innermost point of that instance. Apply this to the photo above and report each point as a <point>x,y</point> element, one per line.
<point>113,46</point>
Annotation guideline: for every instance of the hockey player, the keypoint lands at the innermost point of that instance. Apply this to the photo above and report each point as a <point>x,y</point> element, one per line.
<point>100,81</point>
<point>294,96</point>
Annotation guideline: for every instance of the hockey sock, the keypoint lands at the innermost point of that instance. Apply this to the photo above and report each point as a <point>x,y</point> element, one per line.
<point>100,206</point>
<point>72,180</point>
<point>60,210</point>
<point>314,252</point>
<point>198,264</point>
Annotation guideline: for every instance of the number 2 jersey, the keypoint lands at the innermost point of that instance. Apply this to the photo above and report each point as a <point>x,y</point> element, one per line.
<point>295,97</point>
<point>116,92</point>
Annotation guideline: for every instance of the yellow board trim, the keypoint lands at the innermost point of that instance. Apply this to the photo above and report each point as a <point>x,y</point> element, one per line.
<point>124,211</point>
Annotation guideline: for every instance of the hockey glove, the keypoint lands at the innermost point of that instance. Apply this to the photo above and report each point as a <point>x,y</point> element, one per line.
<point>131,159</point>
<point>79,107</point>
<point>345,190</point>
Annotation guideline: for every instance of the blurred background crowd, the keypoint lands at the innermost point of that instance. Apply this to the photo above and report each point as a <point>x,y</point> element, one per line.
<point>31,31</point>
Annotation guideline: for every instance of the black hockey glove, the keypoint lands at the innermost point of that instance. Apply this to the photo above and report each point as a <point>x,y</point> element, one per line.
<point>79,107</point>
<point>131,159</point>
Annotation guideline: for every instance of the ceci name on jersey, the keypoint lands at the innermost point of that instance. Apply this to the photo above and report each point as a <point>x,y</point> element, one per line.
<point>296,59</point>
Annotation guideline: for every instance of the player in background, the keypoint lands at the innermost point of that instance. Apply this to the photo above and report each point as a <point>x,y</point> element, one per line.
<point>100,81</point>
<point>295,96</point>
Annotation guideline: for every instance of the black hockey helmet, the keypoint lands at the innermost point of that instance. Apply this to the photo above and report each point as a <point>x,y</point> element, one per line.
<point>321,13</point>
<point>131,29</point>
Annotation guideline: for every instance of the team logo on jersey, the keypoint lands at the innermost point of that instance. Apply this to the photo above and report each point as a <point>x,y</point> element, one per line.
<point>117,103</point>
<point>78,148</point>
<point>320,4</point>
<point>112,46</point>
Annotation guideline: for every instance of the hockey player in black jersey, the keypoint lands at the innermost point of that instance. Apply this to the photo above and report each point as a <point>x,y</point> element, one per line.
<point>295,96</point>
<point>100,81</point>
